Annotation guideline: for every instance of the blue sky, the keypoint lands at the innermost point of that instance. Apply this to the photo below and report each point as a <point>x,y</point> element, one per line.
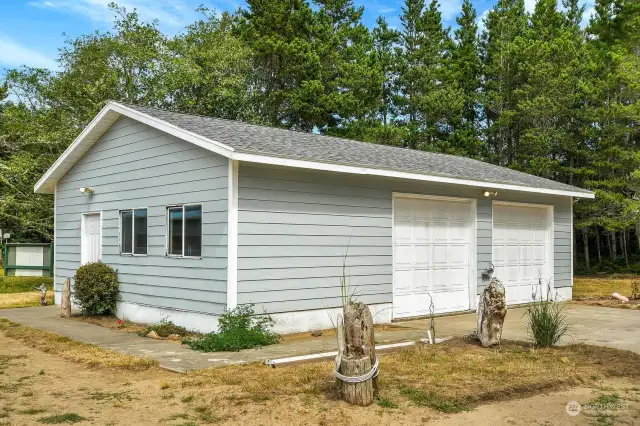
<point>33,30</point>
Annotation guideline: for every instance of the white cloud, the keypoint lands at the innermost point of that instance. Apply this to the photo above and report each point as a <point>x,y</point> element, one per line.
<point>529,5</point>
<point>172,13</point>
<point>450,9</point>
<point>480,20</point>
<point>13,54</point>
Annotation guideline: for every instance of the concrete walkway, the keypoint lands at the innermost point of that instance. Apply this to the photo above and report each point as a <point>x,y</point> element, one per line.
<point>617,328</point>
<point>174,356</point>
<point>594,325</point>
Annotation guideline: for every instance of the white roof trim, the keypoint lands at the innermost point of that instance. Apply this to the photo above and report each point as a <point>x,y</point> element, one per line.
<point>402,175</point>
<point>93,131</point>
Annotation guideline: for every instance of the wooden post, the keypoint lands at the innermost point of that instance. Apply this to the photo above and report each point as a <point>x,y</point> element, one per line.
<point>356,343</point>
<point>66,299</point>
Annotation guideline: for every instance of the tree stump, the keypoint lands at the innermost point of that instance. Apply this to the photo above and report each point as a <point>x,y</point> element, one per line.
<point>491,312</point>
<point>359,332</point>
<point>357,393</point>
<point>356,353</point>
<point>66,299</point>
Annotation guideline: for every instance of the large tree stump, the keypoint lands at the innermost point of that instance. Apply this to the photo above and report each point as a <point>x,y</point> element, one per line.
<point>359,332</point>
<point>356,353</point>
<point>357,393</point>
<point>66,299</point>
<point>491,312</point>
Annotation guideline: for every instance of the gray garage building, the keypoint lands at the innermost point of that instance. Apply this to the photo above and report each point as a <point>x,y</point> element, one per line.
<point>200,214</point>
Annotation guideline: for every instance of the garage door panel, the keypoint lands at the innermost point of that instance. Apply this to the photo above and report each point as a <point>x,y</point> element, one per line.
<point>403,254</point>
<point>421,279</point>
<point>422,254</point>
<point>437,252</point>
<point>458,254</point>
<point>404,280</point>
<point>402,229</point>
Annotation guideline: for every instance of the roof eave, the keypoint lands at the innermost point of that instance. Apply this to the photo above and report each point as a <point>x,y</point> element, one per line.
<point>254,158</point>
<point>96,128</point>
<point>113,110</point>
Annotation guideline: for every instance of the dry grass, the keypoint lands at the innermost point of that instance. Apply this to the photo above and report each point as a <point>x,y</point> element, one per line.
<point>110,321</point>
<point>72,350</point>
<point>22,300</point>
<point>598,288</point>
<point>450,377</point>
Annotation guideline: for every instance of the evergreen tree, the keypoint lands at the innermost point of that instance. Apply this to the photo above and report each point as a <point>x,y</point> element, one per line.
<point>506,22</point>
<point>466,72</point>
<point>351,82</point>
<point>288,81</point>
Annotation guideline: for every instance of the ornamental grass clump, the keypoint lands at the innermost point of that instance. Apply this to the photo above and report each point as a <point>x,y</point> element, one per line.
<point>238,329</point>
<point>546,320</point>
<point>95,289</point>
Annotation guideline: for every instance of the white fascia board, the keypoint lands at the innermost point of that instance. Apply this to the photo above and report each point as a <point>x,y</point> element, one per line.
<point>50,178</point>
<point>176,131</point>
<point>47,183</point>
<point>253,158</point>
<point>39,186</point>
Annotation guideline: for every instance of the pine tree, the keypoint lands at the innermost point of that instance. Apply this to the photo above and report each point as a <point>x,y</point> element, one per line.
<point>613,106</point>
<point>280,35</point>
<point>351,83</point>
<point>409,66</point>
<point>466,72</point>
<point>504,24</point>
<point>385,43</point>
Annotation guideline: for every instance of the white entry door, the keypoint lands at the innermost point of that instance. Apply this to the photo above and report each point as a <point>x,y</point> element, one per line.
<point>91,238</point>
<point>432,255</point>
<point>522,249</point>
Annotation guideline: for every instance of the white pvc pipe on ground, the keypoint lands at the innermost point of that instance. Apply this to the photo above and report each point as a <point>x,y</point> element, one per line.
<point>301,358</point>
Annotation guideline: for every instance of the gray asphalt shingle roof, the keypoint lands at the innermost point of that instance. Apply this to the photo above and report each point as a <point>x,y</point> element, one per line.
<point>274,142</point>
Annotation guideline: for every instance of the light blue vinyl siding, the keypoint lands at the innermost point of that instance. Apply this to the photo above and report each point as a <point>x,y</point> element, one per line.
<point>135,166</point>
<point>294,228</point>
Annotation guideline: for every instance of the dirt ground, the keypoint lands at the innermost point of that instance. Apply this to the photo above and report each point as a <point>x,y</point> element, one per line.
<point>35,387</point>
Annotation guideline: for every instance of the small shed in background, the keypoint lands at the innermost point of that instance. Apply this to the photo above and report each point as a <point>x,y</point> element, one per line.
<point>28,259</point>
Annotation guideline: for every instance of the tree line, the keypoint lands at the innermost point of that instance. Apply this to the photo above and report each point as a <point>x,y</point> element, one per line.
<point>538,92</point>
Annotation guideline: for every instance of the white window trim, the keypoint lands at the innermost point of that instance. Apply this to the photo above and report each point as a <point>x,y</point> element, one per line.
<point>182,256</point>
<point>133,232</point>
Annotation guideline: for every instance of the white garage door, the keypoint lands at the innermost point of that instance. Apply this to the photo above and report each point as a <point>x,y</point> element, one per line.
<point>432,243</point>
<point>521,249</point>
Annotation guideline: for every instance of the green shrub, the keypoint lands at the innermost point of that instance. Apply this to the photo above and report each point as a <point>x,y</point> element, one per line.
<point>546,320</point>
<point>165,328</point>
<point>95,289</point>
<point>238,329</point>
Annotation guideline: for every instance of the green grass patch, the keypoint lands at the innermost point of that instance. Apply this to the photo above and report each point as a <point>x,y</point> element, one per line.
<point>430,399</point>
<point>11,284</point>
<point>386,403</point>
<point>31,411</point>
<point>62,418</point>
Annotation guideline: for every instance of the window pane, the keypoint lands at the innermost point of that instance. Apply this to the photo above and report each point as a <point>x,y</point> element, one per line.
<point>126,232</point>
<point>140,229</point>
<point>175,231</point>
<point>193,231</point>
